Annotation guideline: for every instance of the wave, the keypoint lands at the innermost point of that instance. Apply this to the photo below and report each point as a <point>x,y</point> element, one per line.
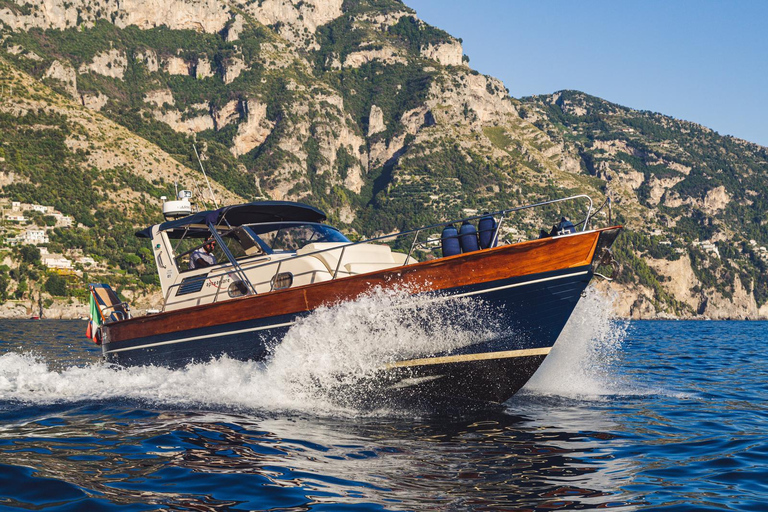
<point>327,362</point>
<point>324,364</point>
<point>583,362</point>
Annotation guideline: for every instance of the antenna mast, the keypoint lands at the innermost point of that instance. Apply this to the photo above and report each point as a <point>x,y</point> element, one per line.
<point>205,176</point>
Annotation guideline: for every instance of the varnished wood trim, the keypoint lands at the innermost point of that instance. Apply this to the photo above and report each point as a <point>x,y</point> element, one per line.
<point>503,262</point>
<point>287,324</point>
<point>485,356</point>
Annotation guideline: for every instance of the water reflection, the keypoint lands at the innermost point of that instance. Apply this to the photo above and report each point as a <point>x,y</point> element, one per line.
<point>210,461</point>
<point>679,424</point>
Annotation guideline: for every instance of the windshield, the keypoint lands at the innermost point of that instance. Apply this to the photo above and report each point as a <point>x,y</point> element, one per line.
<point>240,243</point>
<point>292,237</point>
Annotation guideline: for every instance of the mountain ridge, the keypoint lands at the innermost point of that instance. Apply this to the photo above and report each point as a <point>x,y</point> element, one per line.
<point>364,110</point>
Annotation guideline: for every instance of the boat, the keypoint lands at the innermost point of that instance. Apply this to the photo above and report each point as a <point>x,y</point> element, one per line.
<point>277,262</point>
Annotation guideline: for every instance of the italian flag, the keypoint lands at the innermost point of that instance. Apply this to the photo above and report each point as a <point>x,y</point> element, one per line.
<point>95,322</point>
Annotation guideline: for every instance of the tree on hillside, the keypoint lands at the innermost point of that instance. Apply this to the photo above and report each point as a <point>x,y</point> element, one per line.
<point>30,254</point>
<point>56,285</point>
<point>5,280</point>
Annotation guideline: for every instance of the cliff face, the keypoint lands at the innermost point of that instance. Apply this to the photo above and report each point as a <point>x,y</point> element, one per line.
<point>693,201</point>
<point>204,15</point>
<point>362,109</point>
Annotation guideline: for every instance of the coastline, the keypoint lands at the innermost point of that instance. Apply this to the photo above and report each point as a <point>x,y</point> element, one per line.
<point>65,311</point>
<point>68,309</point>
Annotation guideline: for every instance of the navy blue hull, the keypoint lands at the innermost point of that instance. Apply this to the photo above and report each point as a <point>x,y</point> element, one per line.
<point>529,313</point>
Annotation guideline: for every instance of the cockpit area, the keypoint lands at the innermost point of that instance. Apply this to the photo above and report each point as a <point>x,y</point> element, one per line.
<point>255,248</point>
<point>266,239</point>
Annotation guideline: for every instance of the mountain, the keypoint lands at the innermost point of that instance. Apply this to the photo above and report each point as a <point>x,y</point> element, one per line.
<point>695,203</point>
<point>362,109</point>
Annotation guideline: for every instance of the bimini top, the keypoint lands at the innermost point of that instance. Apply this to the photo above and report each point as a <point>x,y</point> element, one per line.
<point>195,225</point>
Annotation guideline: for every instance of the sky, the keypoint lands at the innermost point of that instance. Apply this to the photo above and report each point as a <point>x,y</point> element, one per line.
<point>704,61</point>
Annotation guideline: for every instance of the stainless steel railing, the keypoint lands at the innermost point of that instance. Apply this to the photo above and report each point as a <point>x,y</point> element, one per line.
<point>501,215</point>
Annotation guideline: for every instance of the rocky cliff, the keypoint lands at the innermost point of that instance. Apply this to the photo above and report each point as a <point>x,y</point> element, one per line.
<point>692,200</point>
<point>362,109</point>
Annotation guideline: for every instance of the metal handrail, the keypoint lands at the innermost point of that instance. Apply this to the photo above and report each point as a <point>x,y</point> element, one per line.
<point>501,213</point>
<point>341,258</point>
<point>232,260</point>
<point>116,312</point>
<point>413,246</point>
<point>227,270</point>
<point>442,224</point>
<point>272,281</point>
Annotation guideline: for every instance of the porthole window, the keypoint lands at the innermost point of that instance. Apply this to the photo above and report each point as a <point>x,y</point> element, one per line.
<point>237,289</point>
<point>282,280</point>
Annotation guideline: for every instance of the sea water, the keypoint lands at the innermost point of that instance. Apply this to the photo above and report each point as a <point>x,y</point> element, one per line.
<point>627,415</point>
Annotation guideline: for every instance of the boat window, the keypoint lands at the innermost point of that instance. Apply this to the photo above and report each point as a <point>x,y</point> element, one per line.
<point>237,289</point>
<point>250,244</point>
<point>184,249</point>
<point>240,242</point>
<point>292,237</point>
<point>234,247</point>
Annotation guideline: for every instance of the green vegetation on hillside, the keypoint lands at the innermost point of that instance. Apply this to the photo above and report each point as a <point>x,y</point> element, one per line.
<point>699,163</point>
<point>677,184</point>
<point>49,173</point>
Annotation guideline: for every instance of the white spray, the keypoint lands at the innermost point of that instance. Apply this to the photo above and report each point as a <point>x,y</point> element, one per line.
<point>582,362</point>
<point>337,347</point>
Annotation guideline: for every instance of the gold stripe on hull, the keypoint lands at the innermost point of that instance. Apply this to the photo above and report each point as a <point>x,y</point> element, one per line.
<point>471,357</point>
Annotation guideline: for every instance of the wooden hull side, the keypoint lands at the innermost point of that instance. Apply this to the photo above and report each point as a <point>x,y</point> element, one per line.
<point>519,313</point>
<point>524,294</point>
<point>473,269</point>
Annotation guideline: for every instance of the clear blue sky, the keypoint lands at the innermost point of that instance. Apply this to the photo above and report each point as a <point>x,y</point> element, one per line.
<point>700,60</point>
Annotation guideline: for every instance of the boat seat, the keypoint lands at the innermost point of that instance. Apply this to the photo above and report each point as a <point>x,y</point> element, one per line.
<point>111,307</point>
<point>364,268</point>
<point>399,258</point>
<point>358,259</point>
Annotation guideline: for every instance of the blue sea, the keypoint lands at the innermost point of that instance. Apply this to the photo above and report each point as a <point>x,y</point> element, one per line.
<point>657,415</point>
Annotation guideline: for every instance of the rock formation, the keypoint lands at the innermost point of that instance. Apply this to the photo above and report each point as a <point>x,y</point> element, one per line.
<point>368,112</point>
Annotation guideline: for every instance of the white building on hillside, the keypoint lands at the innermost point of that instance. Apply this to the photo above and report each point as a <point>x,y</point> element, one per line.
<point>708,246</point>
<point>34,237</point>
<point>58,261</point>
<point>86,261</point>
<point>63,221</point>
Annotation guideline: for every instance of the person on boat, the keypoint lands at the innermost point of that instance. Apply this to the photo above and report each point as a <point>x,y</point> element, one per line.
<point>203,256</point>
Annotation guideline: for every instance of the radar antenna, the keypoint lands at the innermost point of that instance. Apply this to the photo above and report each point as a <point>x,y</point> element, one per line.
<point>216,203</point>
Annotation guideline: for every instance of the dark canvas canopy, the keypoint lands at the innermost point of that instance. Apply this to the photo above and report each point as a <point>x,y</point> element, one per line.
<point>236,215</point>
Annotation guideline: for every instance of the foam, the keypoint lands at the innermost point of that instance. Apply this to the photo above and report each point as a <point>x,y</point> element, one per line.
<point>583,362</point>
<point>334,350</point>
<point>324,363</point>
